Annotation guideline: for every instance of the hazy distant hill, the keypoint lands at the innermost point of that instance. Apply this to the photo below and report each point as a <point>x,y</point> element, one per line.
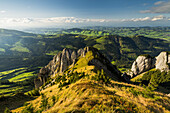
<point>151,32</point>
<point>23,48</point>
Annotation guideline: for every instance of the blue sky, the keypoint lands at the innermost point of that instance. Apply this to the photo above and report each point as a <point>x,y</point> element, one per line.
<point>58,13</point>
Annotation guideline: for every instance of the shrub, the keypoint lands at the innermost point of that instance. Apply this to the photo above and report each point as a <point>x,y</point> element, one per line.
<point>44,102</point>
<point>28,109</point>
<point>70,78</point>
<point>26,103</point>
<point>101,77</point>
<point>2,97</point>
<point>5,82</point>
<point>34,92</point>
<point>7,110</point>
<point>155,78</point>
<point>53,99</point>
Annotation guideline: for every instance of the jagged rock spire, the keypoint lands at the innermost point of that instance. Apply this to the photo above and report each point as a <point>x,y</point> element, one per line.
<point>67,58</point>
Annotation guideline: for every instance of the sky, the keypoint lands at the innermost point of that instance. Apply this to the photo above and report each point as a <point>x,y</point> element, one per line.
<point>77,13</point>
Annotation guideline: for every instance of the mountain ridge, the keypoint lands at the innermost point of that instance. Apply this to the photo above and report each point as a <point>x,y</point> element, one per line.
<point>70,61</point>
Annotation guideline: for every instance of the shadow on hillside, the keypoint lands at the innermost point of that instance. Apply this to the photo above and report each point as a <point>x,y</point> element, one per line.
<point>13,102</point>
<point>162,88</point>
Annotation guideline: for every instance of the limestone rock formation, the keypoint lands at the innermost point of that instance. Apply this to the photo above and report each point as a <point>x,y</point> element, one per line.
<point>146,62</point>
<point>163,61</point>
<point>67,58</point>
<point>142,64</point>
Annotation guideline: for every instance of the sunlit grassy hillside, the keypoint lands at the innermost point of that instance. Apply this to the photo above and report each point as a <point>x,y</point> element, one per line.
<point>85,88</point>
<point>93,96</point>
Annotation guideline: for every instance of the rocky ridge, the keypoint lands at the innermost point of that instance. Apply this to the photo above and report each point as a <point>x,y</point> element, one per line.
<point>68,58</point>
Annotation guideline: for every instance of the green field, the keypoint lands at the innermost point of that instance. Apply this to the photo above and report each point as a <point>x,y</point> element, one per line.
<point>152,32</point>
<point>16,80</point>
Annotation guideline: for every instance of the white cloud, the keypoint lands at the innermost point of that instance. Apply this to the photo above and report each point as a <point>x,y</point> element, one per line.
<point>155,18</point>
<point>140,19</point>
<point>2,11</point>
<point>160,7</point>
<point>160,17</point>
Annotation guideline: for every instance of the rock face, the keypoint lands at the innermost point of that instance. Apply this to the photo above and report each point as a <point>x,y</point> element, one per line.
<point>142,64</point>
<point>67,58</point>
<point>145,62</point>
<point>163,61</point>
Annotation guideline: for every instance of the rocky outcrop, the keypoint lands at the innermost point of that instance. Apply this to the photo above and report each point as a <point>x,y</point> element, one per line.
<point>163,61</point>
<point>42,77</point>
<point>146,62</point>
<point>142,64</point>
<point>67,58</point>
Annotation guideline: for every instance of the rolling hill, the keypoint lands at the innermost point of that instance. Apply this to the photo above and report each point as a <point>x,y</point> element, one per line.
<point>83,87</point>
<point>151,32</point>
<point>22,54</point>
<point>27,49</point>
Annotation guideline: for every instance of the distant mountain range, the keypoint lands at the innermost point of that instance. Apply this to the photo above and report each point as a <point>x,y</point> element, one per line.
<point>151,32</point>
<point>24,48</point>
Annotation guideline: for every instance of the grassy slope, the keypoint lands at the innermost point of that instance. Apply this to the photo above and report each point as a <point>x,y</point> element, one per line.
<point>137,78</point>
<point>89,95</point>
<point>155,80</point>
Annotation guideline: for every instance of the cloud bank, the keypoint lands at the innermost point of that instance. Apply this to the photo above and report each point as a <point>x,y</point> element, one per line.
<point>47,22</point>
<point>61,21</point>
